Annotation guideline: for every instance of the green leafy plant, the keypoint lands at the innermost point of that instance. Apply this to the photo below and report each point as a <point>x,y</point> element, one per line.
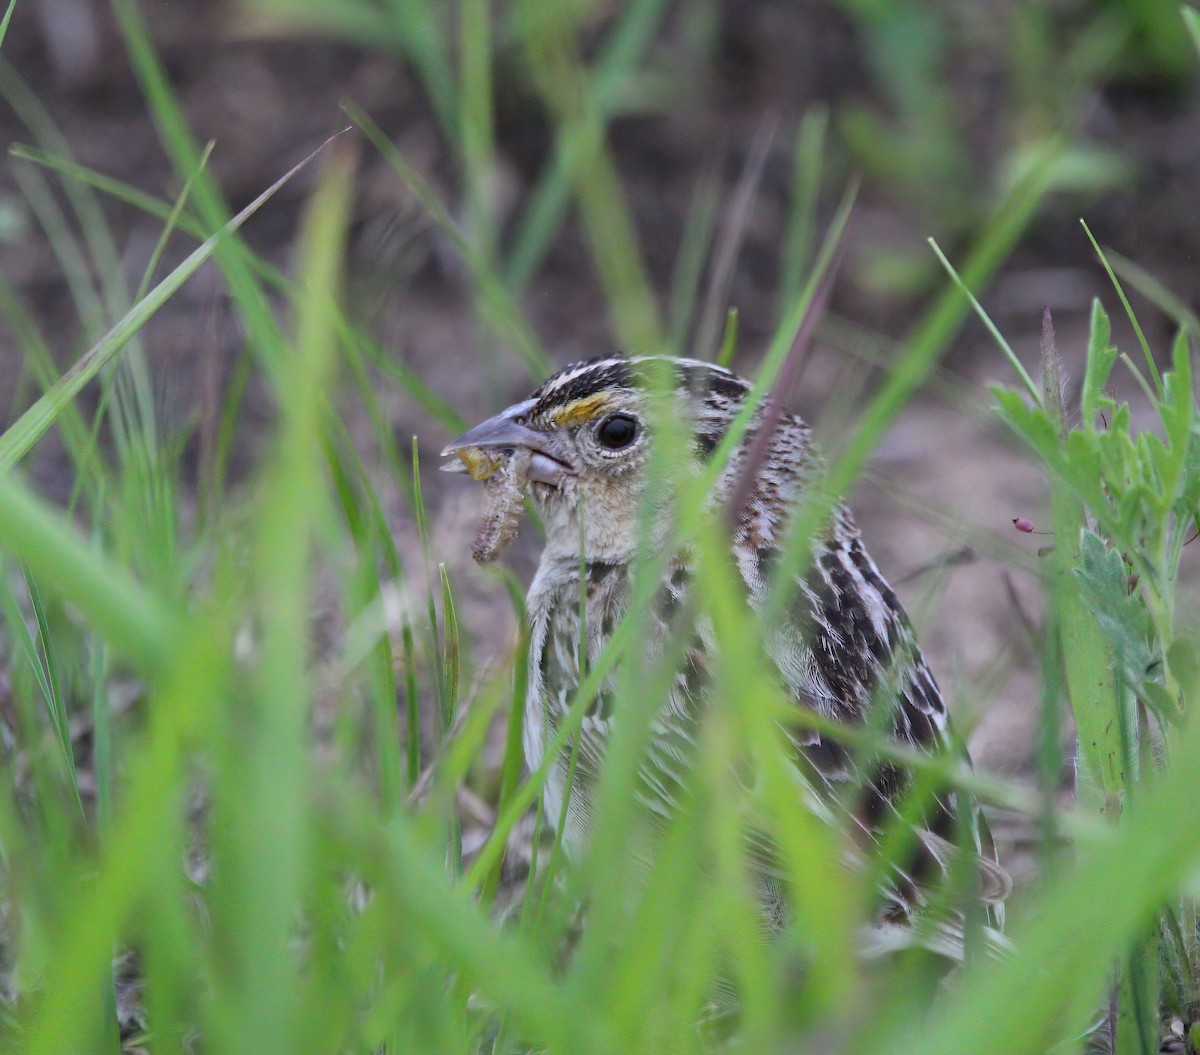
<point>1124,504</point>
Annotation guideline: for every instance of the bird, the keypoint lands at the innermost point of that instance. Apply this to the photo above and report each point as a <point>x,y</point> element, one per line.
<point>579,448</point>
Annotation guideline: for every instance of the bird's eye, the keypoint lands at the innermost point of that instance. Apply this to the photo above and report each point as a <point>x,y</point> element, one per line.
<point>617,431</point>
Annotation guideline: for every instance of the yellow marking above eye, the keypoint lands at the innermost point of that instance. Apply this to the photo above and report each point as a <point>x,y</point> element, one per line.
<point>581,410</point>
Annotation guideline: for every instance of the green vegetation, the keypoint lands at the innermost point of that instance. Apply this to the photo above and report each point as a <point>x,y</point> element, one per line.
<point>261,828</point>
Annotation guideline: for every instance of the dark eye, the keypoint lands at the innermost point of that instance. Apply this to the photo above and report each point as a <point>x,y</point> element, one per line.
<point>617,431</point>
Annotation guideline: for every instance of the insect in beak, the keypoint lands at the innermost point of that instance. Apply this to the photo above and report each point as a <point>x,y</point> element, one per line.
<point>507,431</point>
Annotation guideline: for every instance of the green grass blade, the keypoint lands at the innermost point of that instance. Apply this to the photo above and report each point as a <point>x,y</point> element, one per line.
<point>433,404</point>
<point>451,645</point>
<point>102,736</point>
<point>96,256</point>
<point>807,162</point>
<point>172,222</point>
<point>263,332</point>
<point>1035,393</point>
<point>55,704</point>
<point>1191,19</point>
<point>923,347</point>
<point>729,340</point>
<point>22,643</point>
<point>66,248</point>
<point>550,198</point>
<point>39,361</point>
<point>1155,292</point>
<point>8,11</point>
<point>1067,944</point>
<point>552,47</point>
<point>25,432</point>
<point>727,245</point>
<point>265,842</point>
<point>1105,719</point>
<point>444,704</point>
<point>183,710</point>
<point>496,305</point>
<point>505,967</point>
<point>113,188</point>
<point>412,704</point>
<point>373,543</point>
<point>1151,366</point>
<point>514,749</point>
<point>137,623</point>
<point>476,138</point>
<point>689,263</point>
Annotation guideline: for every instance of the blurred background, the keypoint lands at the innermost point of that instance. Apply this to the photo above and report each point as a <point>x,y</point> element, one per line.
<point>735,127</point>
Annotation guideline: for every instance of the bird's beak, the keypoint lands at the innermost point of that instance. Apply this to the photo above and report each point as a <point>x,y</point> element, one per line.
<point>505,430</point>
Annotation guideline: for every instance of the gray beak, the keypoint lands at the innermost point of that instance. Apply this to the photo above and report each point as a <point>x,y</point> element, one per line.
<point>504,430</point>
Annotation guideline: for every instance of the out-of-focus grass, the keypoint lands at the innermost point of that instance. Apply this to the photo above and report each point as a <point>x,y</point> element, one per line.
<point>290,888</point>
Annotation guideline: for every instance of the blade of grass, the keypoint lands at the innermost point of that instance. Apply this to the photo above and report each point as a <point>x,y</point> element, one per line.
<point>476,144</point>
<point>434,405</point>
<point>1191,19</point>
<point>67,251</point>
<point>501,963</point>
<point>406,378</point>
<point>412,704</point>
<point>548,202</point>
<point>193,672</point>
<point>1085,918</point>
<point>689,262</point>
<point>55,704</point>
<point>922,349</point>
<point>134,620</point>
<point>729,341</point>
<point>1155,292</point>
<point>100,248</point>
<point>450,660</point>
<point>438,644</point>
<point>22,643</point>
<point>45,673</point>
<point>372,541</point>
<point>74,431</point>
<point>514,750</point>
<point>789,374</point>
<point>729,238</point>
<point>807,162</point>
<point>102,736</point>
<point>1018,368</point>
<point>8,11</point>
<point>263,838</point>
<point>450,643</point>
<point>495,304</point>
<point>116,189</point>
<point>1151,366</point>
<point>263,332</point>
<point>549,36</point>
<point>172,221</point>
<point>444,704</point>
<point>25,432</point>
<point>97,256</point>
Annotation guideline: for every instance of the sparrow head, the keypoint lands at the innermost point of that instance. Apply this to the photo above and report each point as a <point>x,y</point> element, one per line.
<point>590,435</point>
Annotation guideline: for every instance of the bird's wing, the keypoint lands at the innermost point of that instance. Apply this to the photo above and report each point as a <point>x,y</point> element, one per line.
<point>845,649</point>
